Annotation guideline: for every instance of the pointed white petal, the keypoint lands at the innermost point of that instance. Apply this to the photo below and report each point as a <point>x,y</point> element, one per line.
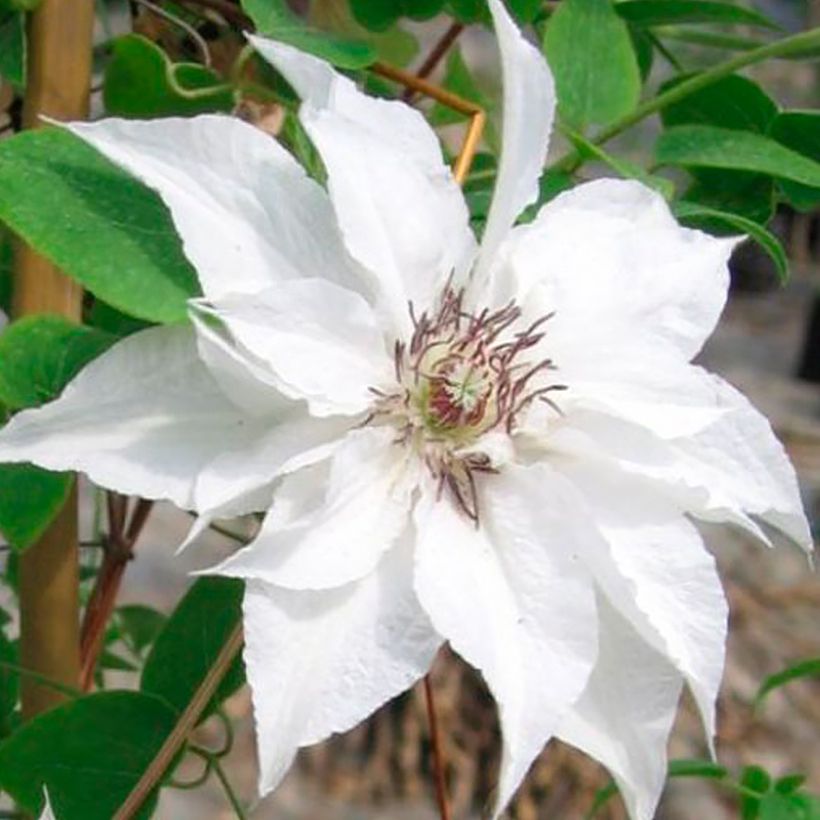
<point>320,662</point>
<point>733,470</point>
<point>143,419</point>
<point>245,380</point>
<point>643,285</point>
<point>48,812</point>
<point>402,214</point>
<point>529,108</point>
<point>247,213</point>
<point>625,714</point>
<point>319,341</point>
<point>745,468</point>
<point>331,523</point>
<point>652,565</point>
<point>514,601</point>
<point>230,484</point>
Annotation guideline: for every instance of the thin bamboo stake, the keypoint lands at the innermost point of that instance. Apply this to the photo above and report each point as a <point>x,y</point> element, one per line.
<point>59,77</point>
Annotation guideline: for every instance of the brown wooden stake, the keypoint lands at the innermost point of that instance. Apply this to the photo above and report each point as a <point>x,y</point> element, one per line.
<point>439,776</point>
<point>59,77</point>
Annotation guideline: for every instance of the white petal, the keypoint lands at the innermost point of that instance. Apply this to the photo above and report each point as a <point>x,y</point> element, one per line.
<point>625,714</point>
<point>246,381</point>
<point>319,341</point>
<point>48,811</point>
<point>331,523</point>
<point>229,485</point>
<point>143,419</point>
<point>247,213</point>
<point>529,108</point>
<point>653,567</point>
<point>621,276</point>
<point>745,468</point>
<point>733,470</point>
<point>320,662</point>
<point>402,214</point>
<point>513,601</point>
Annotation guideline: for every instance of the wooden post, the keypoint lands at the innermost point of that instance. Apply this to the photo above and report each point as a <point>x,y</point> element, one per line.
<point>58,82</point>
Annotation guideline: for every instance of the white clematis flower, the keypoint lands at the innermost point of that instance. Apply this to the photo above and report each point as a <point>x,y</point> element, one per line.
<point>515,464</point>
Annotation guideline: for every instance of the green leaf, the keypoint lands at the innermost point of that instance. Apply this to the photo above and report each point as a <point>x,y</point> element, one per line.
<point>665,12</point>
<point>738,192</point>
<point>470,11</point>
<point>89,752</point>
<point>789,807</point>
<point>789,783</point>
<point>274,19</point>
<point>701,217</point>
<point>30,497</point>
<point>96,223</point>
<point>188,644</point>
<point>756,782</point>
<point>40,354</point>
<point>644,49</point>
<point>19,5</point>
<point>142,82</point>
<point>138,626</point>
<point>477,11</point>
<point>591,55</point>
<point>799,131</point>
<point>805,669</point>
<point>110,320</point>
<point>6,263</point>
<point>731,102</point>
<point>13,47</point>
<point>707,147</point>
<point>379,15</point>
<point>111,660</point>
<point>9,684</point>
<point>696,768</point>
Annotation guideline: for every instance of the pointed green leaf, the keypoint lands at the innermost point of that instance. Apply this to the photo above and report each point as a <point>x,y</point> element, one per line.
<point>379,15</point>
<point>702,217</point>
<point>805,669</point>
<point>596,71</point>
<point>737,192</point>
<point>89,753</point>
<point>274,19</point>
<point>142,82</point>
<point>188,644</point>
<point>799,131</point>
<point>732,102</point>
<point>30,497</point>
<point>707,147</point>
<point>789,807</point>
<point>96,223</point>
<point>654,13</point>
<point>13,47</point>
<point>40,354</point>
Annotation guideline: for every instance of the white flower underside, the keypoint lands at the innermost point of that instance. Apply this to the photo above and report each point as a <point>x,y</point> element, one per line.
<point>517,465</point>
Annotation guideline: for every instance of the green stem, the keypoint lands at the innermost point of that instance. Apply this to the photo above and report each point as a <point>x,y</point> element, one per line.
<point>779,48</point>
<point>229,792</point>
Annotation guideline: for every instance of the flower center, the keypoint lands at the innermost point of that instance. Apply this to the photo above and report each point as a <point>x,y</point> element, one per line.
<point>463,375</point>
